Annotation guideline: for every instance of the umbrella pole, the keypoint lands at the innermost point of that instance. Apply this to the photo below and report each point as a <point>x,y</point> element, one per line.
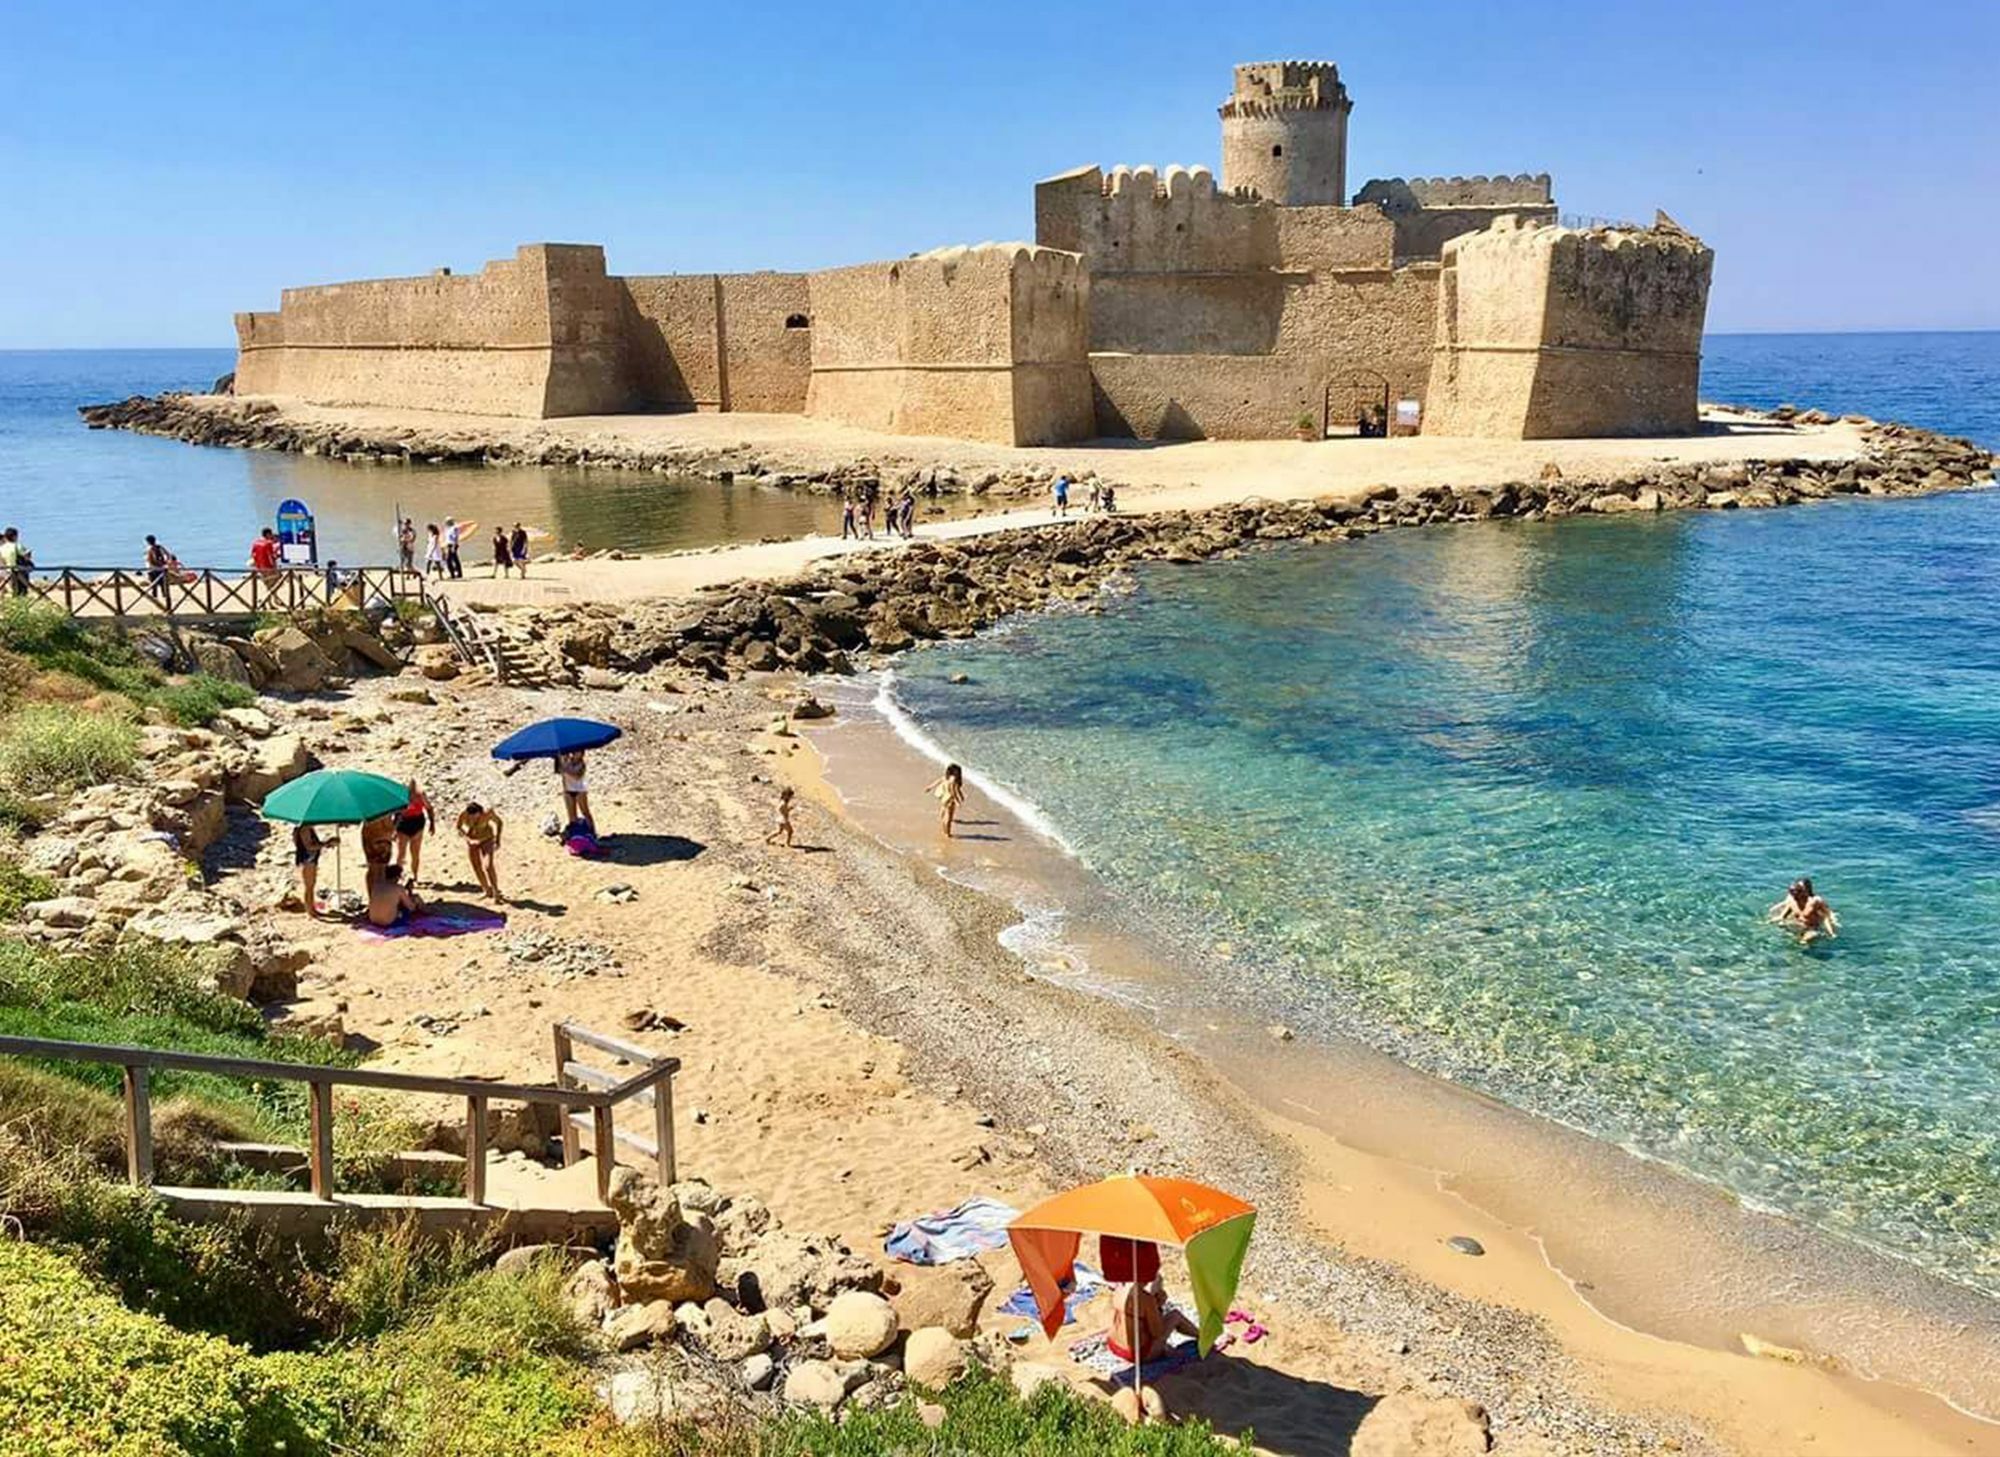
<point>1138,1356</point>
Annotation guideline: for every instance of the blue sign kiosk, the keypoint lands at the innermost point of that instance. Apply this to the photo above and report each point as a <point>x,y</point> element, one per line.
<point>298,543</point>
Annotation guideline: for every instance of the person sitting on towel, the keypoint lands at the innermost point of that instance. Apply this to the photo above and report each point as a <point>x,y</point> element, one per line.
<point>1158,1321</point>
<point>390,902</point>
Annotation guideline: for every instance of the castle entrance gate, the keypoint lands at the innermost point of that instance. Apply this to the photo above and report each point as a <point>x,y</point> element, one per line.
<point>1348,395</point>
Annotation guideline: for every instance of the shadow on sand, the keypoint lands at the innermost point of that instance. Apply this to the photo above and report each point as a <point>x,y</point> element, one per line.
<point>1288,1414</point>
<point>626,849</point>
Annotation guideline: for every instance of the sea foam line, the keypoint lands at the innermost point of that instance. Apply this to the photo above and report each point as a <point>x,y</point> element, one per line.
<point>912,733</point>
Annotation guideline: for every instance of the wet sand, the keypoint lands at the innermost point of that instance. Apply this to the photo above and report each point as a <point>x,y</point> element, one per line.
<point>1651,1279</point>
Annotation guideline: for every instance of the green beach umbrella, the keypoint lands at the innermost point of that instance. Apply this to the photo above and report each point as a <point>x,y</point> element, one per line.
<point>335,797</point>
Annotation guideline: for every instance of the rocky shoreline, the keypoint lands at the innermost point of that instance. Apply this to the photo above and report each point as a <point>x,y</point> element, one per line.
<point>879,604</point>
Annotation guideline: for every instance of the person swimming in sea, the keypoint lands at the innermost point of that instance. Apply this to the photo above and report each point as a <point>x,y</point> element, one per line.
<point>1808,911</point>
<point>949,787</point>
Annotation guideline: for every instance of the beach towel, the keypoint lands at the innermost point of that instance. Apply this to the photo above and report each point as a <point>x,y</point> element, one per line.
<point>977,1225</point>
<point>468,921</point>
<point>1093,1352</point>
<point>1086,1284</point>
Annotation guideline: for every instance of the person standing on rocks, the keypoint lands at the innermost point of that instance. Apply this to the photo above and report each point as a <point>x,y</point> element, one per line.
<point>480,828</point>
<point>452,566</point>
<point>949,788</point>
<point>406,544</point>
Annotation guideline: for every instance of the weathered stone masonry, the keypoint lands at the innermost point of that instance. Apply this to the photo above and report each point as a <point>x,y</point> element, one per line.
<point>1154,303</point>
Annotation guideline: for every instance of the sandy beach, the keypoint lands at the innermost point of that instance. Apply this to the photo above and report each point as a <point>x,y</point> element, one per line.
<point>859,1047</point>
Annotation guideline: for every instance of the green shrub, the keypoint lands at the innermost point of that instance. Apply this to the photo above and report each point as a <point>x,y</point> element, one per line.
<point>984,1418</point>
<point>17,813</point>
<point>49,747</point>
<point>383,1278</point>
<point>35,629</point>
<point>18,887</point>
<point>79,1373</point>
<point>195,701</point>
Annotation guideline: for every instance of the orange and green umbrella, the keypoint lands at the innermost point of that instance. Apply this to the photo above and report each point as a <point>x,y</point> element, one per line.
<point>1212,1227</point>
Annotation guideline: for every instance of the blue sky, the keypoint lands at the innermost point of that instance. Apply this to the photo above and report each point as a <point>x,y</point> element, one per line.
<point>164,166</point>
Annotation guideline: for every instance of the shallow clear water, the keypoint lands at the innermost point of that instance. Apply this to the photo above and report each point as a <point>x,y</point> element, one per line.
<point>88,497</point>
<point>1512,799</point>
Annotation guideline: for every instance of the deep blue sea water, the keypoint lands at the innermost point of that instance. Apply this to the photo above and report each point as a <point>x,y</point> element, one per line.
<point>1511,800</point>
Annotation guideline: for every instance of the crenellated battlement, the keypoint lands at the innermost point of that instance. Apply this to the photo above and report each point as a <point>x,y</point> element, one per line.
<point>1265,88</point>
<point>1528,189</point>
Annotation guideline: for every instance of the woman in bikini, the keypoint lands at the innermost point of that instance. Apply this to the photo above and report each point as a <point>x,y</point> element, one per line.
<point>480,828</point>
<point>575,788</point>
<point>949,788</point>
<point>416,818</point>
<point>1158,1322</point>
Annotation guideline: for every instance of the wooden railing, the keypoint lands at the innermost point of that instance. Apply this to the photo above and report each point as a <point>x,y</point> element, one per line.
<point>120,592</point>
<point>651,1084</point>
<point>474,645</point>
<point>604,1132</point>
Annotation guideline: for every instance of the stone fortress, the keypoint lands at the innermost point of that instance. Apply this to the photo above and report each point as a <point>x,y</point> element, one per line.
<point>1153,303</point>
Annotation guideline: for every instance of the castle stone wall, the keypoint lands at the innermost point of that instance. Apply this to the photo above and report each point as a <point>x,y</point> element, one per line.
<point>671,328</point>
<point>987,343</point>
<point>1429,212</point>
<point>1552,332</point>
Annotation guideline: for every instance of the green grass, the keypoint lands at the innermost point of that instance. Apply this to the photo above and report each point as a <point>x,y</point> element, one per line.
<point>35,637</point>
<point>19,887</point>
<point>48,748</point>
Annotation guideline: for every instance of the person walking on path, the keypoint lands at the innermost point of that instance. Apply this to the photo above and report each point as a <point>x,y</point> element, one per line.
<point>907,509</point>
<point>264,562</point>
<point>847,526</point>
<point>158,580</point>
<point>406,544</point>
<point>949,788</point>
<point>502,557</point>
<point>417,817</point>
<point>452,566</point>
<point>434,553</point>
<point>1061,492</point>
<point>480,828</point>
<point>15,561</point>
<point>517,544</point>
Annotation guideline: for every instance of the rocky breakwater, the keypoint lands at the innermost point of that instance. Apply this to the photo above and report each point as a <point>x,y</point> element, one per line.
<point>879,604</point>
<point>252,424</point>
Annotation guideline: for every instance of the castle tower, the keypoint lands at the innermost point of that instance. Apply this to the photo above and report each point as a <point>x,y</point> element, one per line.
<point>1284,133</point>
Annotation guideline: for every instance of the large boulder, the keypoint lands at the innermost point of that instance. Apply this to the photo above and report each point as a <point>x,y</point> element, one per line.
<point>269,763</point>
<point>933,1357</point>
<point>371,650</point>
<point>821,1383</point>
<point>949,1295</point>
<point>301,666</point>
<point>641,1325</point>
<point>218,660</point>
<point>859,1325</point>
<point>1409,1425</point>
<point>783,1269</point>
<point>663,1254</point>
<point>590,1293</point>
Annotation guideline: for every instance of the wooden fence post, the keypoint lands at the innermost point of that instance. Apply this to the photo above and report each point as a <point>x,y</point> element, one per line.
<point>571,1152</point>
<point>322,1140</point>
<point>604,1134</point>
<point>663,1127</point>
<point>475,1149</point>
<point>138,1125</point>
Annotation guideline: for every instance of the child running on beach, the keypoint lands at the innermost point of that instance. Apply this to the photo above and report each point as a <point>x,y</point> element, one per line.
<point>949,787</point>
<point>783,829</point>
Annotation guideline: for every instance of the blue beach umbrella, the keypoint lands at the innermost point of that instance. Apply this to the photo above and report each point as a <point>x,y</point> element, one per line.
<point>554,736</point>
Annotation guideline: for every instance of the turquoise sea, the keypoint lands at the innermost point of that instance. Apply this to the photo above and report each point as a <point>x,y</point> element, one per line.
<point>1510,800</point>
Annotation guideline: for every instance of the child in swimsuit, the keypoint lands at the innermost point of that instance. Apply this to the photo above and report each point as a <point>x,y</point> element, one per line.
<point>783,829</point>
<point>306,847</point>
<point>949,788</point>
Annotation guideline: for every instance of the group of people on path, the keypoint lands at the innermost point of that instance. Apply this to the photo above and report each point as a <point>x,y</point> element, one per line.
<point>1103,495</point>
<point>857,513</point>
